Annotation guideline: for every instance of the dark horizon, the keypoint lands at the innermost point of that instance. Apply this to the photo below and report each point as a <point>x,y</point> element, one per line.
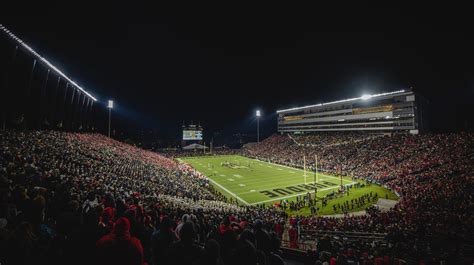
<point>216,69</point>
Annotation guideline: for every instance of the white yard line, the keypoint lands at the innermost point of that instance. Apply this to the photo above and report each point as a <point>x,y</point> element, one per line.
<point>225,189</point>
<point>228,191</point>
<point>294,195</point>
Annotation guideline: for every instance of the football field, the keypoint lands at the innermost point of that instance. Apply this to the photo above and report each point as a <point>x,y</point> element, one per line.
<point>255,182</point>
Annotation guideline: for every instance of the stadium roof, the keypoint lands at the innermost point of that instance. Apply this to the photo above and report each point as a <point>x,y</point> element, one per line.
<point>364,97</point>
<point>43,60</point>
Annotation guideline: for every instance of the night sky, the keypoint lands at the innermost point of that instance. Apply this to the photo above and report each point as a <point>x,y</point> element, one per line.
<point>217,65</point>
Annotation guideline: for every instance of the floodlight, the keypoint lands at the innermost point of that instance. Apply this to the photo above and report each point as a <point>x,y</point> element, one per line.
<point>111,104</point>
<point>258,114</point>
<point>364,97</point>
<point>43,60</point>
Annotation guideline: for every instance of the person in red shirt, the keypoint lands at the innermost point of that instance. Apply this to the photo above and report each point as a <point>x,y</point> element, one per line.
<point>225,225</point>
<point>119,247</point>
<point>293,233</point>
<point>279,229</point>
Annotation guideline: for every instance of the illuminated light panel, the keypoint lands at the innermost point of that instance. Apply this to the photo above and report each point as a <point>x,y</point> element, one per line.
<point>42,59</point>
<point>110,104</point>
<point>257,113</point>
<point>344,100</point>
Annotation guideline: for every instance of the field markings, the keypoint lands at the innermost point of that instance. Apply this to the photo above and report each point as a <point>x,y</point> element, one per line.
<point>294,195</point>
<point>242,185</point>
<point>275,166</point>
<point>238,176</point>
<point>276,185</point>
<point>222,175</point>
<point>285,179</point>
<point>300,169</point>
<point>282,181</point>
<point>228,191</point>
<point>266,184</point>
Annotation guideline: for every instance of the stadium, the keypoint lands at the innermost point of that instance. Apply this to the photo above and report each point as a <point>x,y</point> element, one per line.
<point>353,180</point>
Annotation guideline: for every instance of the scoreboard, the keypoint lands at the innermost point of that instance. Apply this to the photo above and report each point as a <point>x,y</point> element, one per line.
<point>192,135</point>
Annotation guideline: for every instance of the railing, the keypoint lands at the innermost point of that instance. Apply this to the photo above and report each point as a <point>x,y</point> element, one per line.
<point>301,246</point>
<point>348,235</point>
<point>307,240</point>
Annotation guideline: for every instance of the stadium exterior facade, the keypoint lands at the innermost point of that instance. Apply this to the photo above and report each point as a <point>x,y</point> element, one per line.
<point>395,111</point>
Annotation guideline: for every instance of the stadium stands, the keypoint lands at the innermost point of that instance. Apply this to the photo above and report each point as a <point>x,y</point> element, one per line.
<point>61,192</point>
<point>70,198</point>
<point>432,172</point>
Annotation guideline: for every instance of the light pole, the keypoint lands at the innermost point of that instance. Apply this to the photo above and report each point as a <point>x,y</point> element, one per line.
<point>257,113</point>
<point>110,106</point>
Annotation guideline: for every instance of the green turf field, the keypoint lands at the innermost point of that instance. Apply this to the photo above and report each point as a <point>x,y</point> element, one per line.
<point>254,182</point>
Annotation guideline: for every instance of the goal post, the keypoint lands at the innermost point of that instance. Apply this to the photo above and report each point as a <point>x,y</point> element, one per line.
<point>304,169</point>
<point>315,177</point>
<point>316,169</point>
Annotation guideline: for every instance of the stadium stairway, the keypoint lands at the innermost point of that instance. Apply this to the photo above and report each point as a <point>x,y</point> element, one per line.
<point>293,139</point>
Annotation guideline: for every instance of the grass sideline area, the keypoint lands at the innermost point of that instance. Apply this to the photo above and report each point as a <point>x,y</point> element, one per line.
<point>253,182</point>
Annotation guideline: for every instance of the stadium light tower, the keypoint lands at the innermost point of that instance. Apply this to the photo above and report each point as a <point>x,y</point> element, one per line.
<point>110,106</point>
<point>257,113</point>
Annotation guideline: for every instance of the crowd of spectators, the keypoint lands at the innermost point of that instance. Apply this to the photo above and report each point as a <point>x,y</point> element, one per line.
<point>69,198</point>
<point>332,138</point>
<point>433,174</point>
